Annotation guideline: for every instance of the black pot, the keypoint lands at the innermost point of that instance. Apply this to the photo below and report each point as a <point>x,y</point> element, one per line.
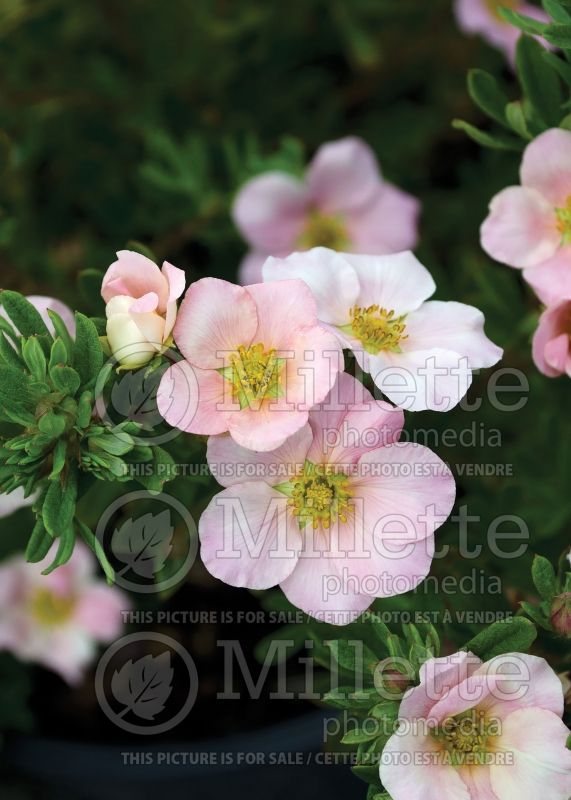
<point>290,764</point>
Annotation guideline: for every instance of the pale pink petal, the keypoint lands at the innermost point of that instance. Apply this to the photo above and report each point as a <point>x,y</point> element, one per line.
<point>387,224</point>
<point>478,780</point>
<point>194,400</point>
<point>535,738</point>
<point>546,166</point>
<point>351,422</point>
<point>144,304</point>
<point>521,228</point>
<point>412,769</point>
<point>313,363</point>
<point>266,427</point>
<point>248,536</point>
<point>534,684</point>
<point>214,319</point>
<point>551,280</point>
<point>397,282</point>
<point>332,280</point>
<point>270,211</point>
<point>283,308</point>
<point>406,481</point>
<point>151,326</point>
<point>454,326</point>
<point>99,611</point>
<point>433,379</point>
<point>250,269</point>
<point>42,304</point>
<point>176,280</point>
<point>231,464</point>
<point>69,653</point>
<point>343,175</point>
<point>551,341</point>
<point>135,275</point>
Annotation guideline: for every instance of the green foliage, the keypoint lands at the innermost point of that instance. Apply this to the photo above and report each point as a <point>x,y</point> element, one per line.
<point>511,636</point>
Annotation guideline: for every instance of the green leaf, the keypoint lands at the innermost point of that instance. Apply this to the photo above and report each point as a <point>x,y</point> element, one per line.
<point>517,121</point>
<point>539,81</point>
<point>39,543</point>
<point>65,549</point>
<point>61,331</point>
<point>116,443</point>
<point>508,636</point>
<point>58,353</point>
<point>25,317</point>
<point>537,615</point>
<point>35,358</point>
<point>15,387</point>
<point>87,353</point>
<point>9,354</point>
<point>556,11</point>
<point>486,93</point>
<point>163,470</point>
<point>544,577</point>
<point>58,508</point>
<point>526,24</point>
<point>94,544</point>
<point>369,774</point>
<point>52,424</point>
<point>65,379</point>
<point>494,141</point>
<point>58,458</point>
<point>559,35</point>
<point>359,735</point>
<point>85,409</point>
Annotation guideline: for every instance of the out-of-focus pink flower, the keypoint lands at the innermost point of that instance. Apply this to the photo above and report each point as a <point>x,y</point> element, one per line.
<point>9,503</point>
<point>141,306</point>
<point>474,731</point>
<point>420,354</point>
<point>529,226</point>
<point>56,620</point>
<point>342,203</point>
<point>551,347</point>
<point>256,361</point>
<point>483,17</point>
<point>338,515</point>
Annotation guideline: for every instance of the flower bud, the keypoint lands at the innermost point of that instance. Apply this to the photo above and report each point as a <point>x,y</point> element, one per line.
<point>134,339</point>
<point>561,614</point>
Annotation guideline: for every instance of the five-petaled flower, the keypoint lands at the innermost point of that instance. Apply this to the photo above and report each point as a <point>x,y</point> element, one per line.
<point>57,620</point>
<point>480,731</point>
<point>256,361</point>
<point>141,306</point>
<point>529,226</point>
<point>342,203</point>
<point>341,513</point>
<point>420,354</point>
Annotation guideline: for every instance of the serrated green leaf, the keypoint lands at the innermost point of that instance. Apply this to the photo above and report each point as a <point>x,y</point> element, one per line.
<point>486,93</point>
<point>87,353</point>
<point>539,81</point>
<point>544,578</point>
<point>494,141</point>
<point>507,636</point>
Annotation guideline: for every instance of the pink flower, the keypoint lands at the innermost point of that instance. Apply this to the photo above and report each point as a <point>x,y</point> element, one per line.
<point>9,503</point>
<point>256,361</point>
<point>57,620</point>
<point>483,17</point>
<point>474,731</point>
<point>420,354</point>
<point>529,226</point>
<point>338,515</point>
<point>342,203</point>
<point>141,306</point>
<point>551,347</point>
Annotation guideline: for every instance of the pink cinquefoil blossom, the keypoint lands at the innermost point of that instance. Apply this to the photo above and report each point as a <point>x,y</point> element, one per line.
<point>341,513</point>
<point>256,361</point>
<point>480,731</point>
<point>420,354</point>
<point>342,203</point>
<point>141,306</point>
<point>9,503</point>
<point>57,620</point>
<point>483,17</point>
<point>529,226</point>
<point>551,347</point>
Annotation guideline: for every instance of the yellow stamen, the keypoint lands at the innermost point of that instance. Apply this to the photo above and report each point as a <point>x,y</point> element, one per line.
<point>564,220</point>
<point>50,609</point>
<point>323,230</point>
<point>320,496</point>
<point>254,374</point>
<point>377,328</point>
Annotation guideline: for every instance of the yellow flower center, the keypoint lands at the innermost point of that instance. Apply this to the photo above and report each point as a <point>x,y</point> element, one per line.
<point>319,496</point>
<point>467,737</point>
<point>564,220</point>
<point>254,374</point>
<point>377,328</point>
<point>495,5</point>
<point>51,609</point>
<point>323,230</point>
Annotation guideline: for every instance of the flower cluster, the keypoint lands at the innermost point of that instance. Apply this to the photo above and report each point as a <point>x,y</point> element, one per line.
<point>529,227</point>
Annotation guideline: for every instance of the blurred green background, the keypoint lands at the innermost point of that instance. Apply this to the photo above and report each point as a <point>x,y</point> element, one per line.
<point>138,121</point>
